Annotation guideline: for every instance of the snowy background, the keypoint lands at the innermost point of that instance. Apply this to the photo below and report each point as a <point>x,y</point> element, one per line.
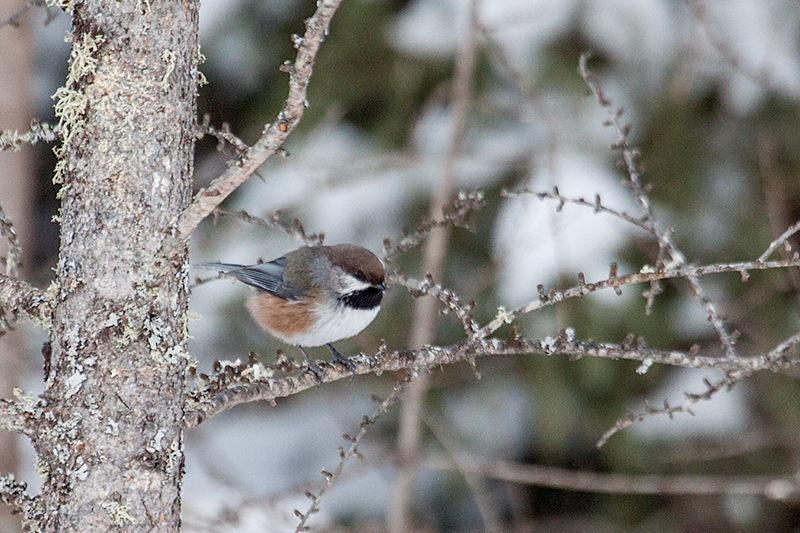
<point>711,90</point>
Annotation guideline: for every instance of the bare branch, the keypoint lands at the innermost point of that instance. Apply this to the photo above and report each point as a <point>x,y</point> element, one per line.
<point>689,402</point>
<point>698,9</point>
<point>352,451</point>
<point>294,229</point>
<point>457,214</point>
<point>222,134</point>
<point>794,228</point>
<point>274,134</point>
<point>647,274</point>
<point>777,488</point>
<point>40,131</point>
<point>779,352</point>
<point>664,236</point>
<point>487,508</point>
<point>447,297</point>
<point>17,295</point>
<point>424,312</point>
<point>268,389</point>
<point>596,205</point>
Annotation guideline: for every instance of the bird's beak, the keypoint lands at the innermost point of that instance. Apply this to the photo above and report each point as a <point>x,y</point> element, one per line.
<point>381,286</point>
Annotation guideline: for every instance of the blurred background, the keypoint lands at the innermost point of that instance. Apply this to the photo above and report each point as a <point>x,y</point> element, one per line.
<point>711,90</point>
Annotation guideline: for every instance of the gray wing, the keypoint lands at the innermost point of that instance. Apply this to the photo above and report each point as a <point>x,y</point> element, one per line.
<point>264,276</point>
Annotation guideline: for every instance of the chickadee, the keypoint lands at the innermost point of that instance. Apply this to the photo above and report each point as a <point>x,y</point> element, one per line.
<point>313,295</point>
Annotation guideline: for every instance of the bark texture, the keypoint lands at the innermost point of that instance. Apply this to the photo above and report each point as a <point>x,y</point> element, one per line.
<point>110,443</point>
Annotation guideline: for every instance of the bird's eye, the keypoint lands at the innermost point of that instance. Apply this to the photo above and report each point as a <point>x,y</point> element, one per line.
<point>360,275</point>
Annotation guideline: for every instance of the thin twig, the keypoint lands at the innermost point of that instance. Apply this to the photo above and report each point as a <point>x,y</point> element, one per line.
<point>456,214</point>
<point>689,401</point>
<point>274,134</point>
<point>446,296</point>
<point>260,388</point>
<point>487,508</point>
<point>293,229</point>
<point>725,51</point>
<point>647,274</point>
<point>352,451</point>
<point>777,487</point>
<point>664,236</point>
<point>424,313</point>
<point>794,228</point>
<point>223,135</point>
<point>596,205</point>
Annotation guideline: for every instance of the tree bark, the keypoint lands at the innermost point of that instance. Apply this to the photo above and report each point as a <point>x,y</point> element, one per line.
<point>110,442</point>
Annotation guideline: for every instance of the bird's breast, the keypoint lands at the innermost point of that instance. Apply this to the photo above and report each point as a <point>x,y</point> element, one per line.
<point>306,323</point>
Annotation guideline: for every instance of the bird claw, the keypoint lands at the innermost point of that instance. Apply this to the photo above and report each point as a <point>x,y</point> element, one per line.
<point>312,367</point>
<point>342,360</point>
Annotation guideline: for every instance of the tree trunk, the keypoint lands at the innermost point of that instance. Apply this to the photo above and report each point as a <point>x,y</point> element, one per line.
<point>110,449</point>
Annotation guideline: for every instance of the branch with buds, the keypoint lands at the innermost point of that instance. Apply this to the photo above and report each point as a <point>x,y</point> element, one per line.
<point>244,165</point>
<point>243,383</point>
<point>479,343</point>
<point>664,235</point>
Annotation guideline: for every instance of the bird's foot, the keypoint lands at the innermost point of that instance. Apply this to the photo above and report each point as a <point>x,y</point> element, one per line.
<point>312,367</point>
<point>342,360</point>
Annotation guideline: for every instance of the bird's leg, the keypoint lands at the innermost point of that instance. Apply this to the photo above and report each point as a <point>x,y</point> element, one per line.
<point>311,366</point>
<point>342,360</point>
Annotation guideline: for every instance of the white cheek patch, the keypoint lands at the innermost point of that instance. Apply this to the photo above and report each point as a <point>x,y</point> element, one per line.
<point>351,284</point>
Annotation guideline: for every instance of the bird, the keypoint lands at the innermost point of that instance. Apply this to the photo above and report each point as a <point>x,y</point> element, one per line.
<point>313,296</point>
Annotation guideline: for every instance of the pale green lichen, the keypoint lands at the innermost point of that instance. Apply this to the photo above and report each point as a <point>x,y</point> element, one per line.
<point>129,335</point>
<point>120,513</point>
<point>504,316</point>
<point>113,428</point>
<point>26,402</point>
<point>41,467</point>
<point>66,5</point>
<point>169,57</point>
<point>40,131</point>
<point>201,78</point>
<point>146,3</point>
<point>71,103</point>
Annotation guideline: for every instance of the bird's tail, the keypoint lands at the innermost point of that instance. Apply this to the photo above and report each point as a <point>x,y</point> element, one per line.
<point>219,267</point>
